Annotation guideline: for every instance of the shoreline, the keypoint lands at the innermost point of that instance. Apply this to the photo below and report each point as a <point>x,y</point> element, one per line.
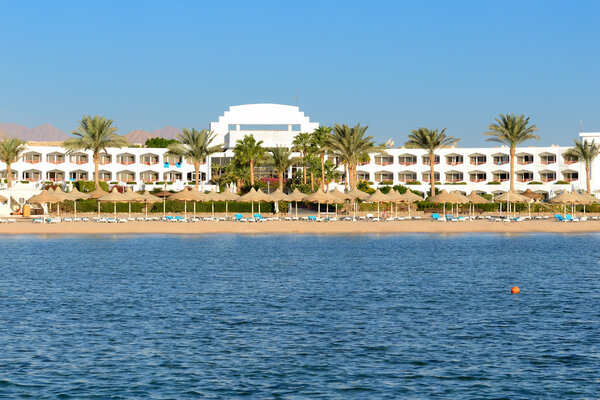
<point>300,227</point>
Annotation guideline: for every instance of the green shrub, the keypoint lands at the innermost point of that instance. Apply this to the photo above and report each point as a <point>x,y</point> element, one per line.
<point>24,182</point>
<point>535,183</point>
<point>114,183</point>
<point>159,183</point>
<point>562,183</point>
<point>365,187</point>
<point>386,183</point>
<point>493,183</point>
<point>132,183</point>
<point>455,183</point>
<point>89,186</point>
<point>413,183</point>
<point>169,183</point>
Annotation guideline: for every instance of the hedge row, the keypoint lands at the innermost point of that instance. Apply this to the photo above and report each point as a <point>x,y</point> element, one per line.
<point>91,205</point>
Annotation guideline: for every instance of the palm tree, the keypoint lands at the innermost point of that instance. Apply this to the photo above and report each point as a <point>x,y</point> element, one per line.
<point>96,134</point>
<point>430,140</point>
<point>511,130</point>
<point>195,146</point>
<point>280,159</point>
<point>320,138</point>
<point>250,151</point>
<point>585,152</point>
<point>303,143</point>
<point>331,173</point>
<point>236,172</point>
<point>10,151</point>
<point>312,164</point>
<point>350,144</point>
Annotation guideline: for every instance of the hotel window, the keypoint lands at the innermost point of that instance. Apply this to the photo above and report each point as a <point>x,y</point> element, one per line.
<point>126,159</point>
<point>454,177</point>
<point>82,158</point>
<point>524,159</point>
<point>32,158</point>
<point>366,161</point>
<point>501,176</point>
<point>263,127</point>
<point>149,159</point>
<point>477,176</point>
<point>407,159</point>
<point>501,159</point>
<point>478,159</point>
<point>427,174</point>
<point>524,176</point>
<point>78,175</point>
<point>569,159</point>
<point>55,176</point>
<point>571,176</point>
<point>363,176</point>
<point>104,159</point>
<point>149,176</point>
<point>55,158</point>
<point>547,176</point>
<point>126,176</point>
<point>407,176</point>
<point>426,160</point>
<point>384,176</point>
<point>384,160</point>
<point>454,159</point>
<point>548,159</point>
<point>104,175</point>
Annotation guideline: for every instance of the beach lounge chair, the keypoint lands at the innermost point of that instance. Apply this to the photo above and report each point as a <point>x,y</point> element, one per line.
<point>35,220</point>
<point>259,218</point>
<point>312,218</point>
<point>240,218</point>
<point>436,216</point>
<point>168,218</point>
<point>53,220</point>
<point>111,220</point>
<point>570,218</point>
<point>179,218</point>
<point>85,219</point>
<point>559,217</point>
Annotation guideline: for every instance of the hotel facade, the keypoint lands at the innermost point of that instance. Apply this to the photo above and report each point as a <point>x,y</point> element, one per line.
<point>544,170</point>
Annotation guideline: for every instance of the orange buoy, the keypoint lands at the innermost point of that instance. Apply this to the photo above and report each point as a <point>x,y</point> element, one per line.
<point>515,289</point>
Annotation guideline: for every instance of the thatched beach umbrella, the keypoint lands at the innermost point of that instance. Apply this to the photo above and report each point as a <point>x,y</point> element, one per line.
<point>296,196</point>
<point>252,196</point>
<point>565,198</point>
<point>60,195</point>
<point>474,198</point>
<point>532,195</point>
<point>227,196</point>
<point>185,196</point>
<point>444,197</point>
<point>378,197</point>
<point>3,199</point>
<point>213,196</point>
<point>150,199</point>
<point>197,196</point>
<point>278,196</point>
<point>96,194</point>
<point>513,197</point>
<point>114,197</point>
<point>75,195</point>
<point>319,197</point>
<point>43,198</point>
<point>163,194</point>
<point>354,195</point>
<point>133,196</point>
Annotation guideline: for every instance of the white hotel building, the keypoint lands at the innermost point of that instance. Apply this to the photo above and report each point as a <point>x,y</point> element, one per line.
<point>544,170</point>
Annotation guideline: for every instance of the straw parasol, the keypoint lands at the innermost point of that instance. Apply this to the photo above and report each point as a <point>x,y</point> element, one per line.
<point>477,199</point>
<point>133,196</point>
<point>75,195</point>
<point>513,197</point>
<point>532,195</point>
<point>463,199</point>
<point>296,196</point>
<point>341,195</point>
<point>3,199</point>
<point>163,194</point>
<point>278,195</point>
<point>444,197</point>
<point>44,197</point>
<point>378,197</point>
<point>357,194</point>
<point>97,193</point>
<point>150,199</point>
<point>114,197</point>
<point>252,196</point>
<point>60,195</point>
<point>320,197</point>
<point>397,197</point>
<point>227,196</point>
<point>565,198</point>
<point>213,196</point>
<point>185,196</point>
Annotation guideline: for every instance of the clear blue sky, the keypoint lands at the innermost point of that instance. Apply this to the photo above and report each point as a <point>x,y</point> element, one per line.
<point>394,66</point>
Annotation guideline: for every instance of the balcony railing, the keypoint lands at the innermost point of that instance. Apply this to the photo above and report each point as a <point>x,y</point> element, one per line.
<point>501,162</point>
<point>546,161</point>
<point>407,163</point>
<point>454,180</point>
<point>523,162</point>
<point>571,179</point>
<point>523,180</point>
<point>146,180</point>
<point>56,161</point>
<point>568,162</point>
<point>384,162</point>
<point>125,162</point>
<point>548,179</point>
<point>476,180</point>
<point>32,161</point>
<point>149,162</point>
<point>477,162</point>
<point>454,162</point>
<point>501,179</point>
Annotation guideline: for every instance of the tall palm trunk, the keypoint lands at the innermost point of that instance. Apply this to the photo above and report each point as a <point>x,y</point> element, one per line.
<point>281,181</point>
<point>252,172</point>
<point>347,176</point>
<point>432,173</point>
<point>512,168</point>
<point>96,158</point>
<point>322,171</point>
<point>197,171</point>
<point>9,175</point>
<point>304,169</point>
<point>352,175</point>
<point>587,178</point>
<point>312,180</point>
<point>239,183</point>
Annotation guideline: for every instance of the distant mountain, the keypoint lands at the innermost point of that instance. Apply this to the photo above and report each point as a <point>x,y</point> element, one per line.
<point>139,136</point>
<point>42,133</point>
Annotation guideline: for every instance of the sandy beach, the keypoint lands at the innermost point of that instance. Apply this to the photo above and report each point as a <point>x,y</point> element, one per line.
<point>301,227</point>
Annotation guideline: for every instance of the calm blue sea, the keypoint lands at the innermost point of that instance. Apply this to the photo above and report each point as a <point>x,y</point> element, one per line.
<point>294,317</point>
